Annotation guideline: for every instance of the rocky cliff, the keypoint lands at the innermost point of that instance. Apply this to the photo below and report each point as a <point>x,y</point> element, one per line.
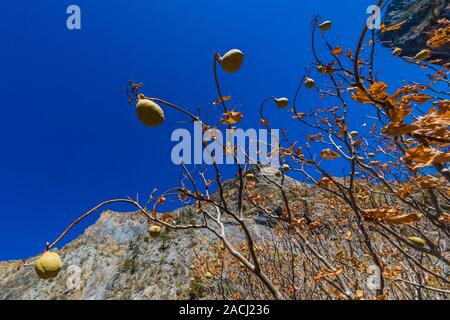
<point>117,259</point>
<point>114,259</point>
<point>421,19</point>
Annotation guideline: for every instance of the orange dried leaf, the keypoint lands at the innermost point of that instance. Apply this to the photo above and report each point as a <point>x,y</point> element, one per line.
<point>427,182</point>
<point>232,117</point>
<point>166,217</point>
<point>219,100</point>
<point>337,51</point>
<point>420,154</point>
<point>404,219</point>
<point>329,154</point>
<point>392,28</point>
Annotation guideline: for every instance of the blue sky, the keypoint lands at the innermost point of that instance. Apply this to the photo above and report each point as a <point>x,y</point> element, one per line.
<point>69,140</point>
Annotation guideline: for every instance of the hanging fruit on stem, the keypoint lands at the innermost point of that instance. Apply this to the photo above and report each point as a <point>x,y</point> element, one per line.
<point>149,113</point>
<point>48,265</point>
<point>310,83</point>
<point>397,51</point>
<point>232,60</point>
<point>281,102</point>
<point>325,26</point>
<point>423,55</point>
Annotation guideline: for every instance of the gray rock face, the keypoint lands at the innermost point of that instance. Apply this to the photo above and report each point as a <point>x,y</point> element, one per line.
<point>114,259</point>
<point>421,18</point>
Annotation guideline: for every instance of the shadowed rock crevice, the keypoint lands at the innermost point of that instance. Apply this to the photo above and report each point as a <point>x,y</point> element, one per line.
<point>421,20</point>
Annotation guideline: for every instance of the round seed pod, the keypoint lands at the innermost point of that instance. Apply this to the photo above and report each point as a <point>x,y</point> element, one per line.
<point>149,113</point>
<point>324,69</point>
<point>155,231</point>
<point>397,51</point>
<point>48,265</point>
<point>417,241</point>
<point>285,167</point>
<point>282,102</point>
<point>354,134</point>
<point>310,83</point>
<point>208,275</point>
<point>278,174</point>
<point>422,55</point>
<point>325,26</point>
<point>232,60</point>
<point>250,176</point>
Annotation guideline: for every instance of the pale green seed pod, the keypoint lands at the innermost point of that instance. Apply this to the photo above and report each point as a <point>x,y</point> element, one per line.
<point>310,83</point>
<point>149,113</point>
<point>397,51</point>
<point>325,26</point>
<point>208,276</point>
<point>422,55</point>
<point>232,60</point>
<point>417,241</point>
<point>282,102</point>
<point>48,265</point>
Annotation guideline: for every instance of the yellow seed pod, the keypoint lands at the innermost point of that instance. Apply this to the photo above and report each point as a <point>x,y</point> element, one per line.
<point>282,102</point>
<point>325,26</point>
<point>232,60</point>
<point>285,167</point>
<point>324,69</point>
<point>422,55</point>
<point>48,265</point>
<point>155,231</point>
<point>278,174</point>
<point>310,83</point>
<point>149,113</point>
<point>354,134</point>
<point>417,241</point>
<point>208,275</point>
<point>250,176</point>
<point>397,51</point>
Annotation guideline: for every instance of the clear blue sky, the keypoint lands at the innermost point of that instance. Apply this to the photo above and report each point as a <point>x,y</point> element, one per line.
<point>69,140</point>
